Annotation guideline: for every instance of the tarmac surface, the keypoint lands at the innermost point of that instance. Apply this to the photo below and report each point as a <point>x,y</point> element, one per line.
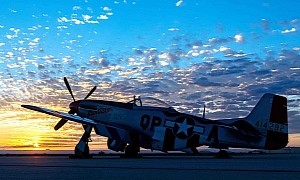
<point>246,166</point>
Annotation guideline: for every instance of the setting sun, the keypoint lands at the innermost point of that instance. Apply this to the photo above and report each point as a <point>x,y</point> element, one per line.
<point>36,145</point>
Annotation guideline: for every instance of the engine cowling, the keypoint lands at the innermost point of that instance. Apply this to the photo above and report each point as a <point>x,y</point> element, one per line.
<point>115,145</point>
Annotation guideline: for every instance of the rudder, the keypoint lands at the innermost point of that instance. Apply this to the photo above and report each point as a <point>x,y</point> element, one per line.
<point>269,116</point>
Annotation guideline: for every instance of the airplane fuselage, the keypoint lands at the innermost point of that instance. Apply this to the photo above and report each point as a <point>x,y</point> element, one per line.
<point>167,129</point>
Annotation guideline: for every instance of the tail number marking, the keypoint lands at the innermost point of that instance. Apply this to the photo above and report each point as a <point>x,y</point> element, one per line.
<point>272,126</point>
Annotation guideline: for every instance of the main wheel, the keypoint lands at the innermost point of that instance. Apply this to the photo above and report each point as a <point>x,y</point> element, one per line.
<point>131,151</point>
<point>82,154</point>
<point>86,151</point>
<point>222,154</point>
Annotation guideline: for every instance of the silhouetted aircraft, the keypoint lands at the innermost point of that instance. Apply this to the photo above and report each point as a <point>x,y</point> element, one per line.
<point>136,124</point>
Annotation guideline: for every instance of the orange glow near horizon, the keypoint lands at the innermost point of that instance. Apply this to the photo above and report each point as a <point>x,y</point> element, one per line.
<point>23,129</point>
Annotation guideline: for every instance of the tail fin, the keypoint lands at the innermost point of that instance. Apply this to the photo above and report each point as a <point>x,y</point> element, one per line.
<point>269,116</point>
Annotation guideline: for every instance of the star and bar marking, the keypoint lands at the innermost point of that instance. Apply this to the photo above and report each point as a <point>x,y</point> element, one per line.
<point>184,127</point>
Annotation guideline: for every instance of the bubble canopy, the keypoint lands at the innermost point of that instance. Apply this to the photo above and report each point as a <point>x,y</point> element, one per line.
<point>149,102</point>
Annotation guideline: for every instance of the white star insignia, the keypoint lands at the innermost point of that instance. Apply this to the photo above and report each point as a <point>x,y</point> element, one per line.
<point>183,127</point>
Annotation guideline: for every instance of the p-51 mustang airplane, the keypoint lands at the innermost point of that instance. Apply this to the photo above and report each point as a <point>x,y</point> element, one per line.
<point>132,125</point>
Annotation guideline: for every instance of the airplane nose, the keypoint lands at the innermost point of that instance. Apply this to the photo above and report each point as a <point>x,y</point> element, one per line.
<point>74,107</point>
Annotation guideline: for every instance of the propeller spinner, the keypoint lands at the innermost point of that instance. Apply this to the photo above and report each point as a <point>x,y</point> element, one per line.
<point>73,105</point>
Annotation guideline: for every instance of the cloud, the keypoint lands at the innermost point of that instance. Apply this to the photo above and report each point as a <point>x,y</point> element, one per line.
<point>106,8</point>
<point>62,19</point>
<point>179,3</point>
<point>12,10</point>
<point>103,17</point>
<point>173,29</point>
<point>75,8</point>
<point>239,38</point>
<point>203,81</point>
<point>289,31</point>
<point>218,41</point>
<point>76,21</point>
<point>168,57</point>
<point>86,17</point>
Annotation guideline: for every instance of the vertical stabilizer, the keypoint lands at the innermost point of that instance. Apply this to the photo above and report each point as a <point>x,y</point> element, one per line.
<point>269,116</point>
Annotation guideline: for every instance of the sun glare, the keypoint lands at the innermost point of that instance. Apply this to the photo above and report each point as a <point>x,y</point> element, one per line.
<point>36,145</point>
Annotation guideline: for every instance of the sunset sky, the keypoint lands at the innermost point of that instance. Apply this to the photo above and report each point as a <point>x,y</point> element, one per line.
<point>223,53</point>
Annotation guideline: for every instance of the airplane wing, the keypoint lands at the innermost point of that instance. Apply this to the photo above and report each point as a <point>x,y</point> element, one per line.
<point>110,131</point>
<point>61,115</point>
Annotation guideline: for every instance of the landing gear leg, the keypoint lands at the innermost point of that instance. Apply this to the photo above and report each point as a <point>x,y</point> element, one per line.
<point>82,149</point>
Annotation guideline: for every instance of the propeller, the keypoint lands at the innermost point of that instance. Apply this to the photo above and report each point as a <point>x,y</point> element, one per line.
<point>73,106</point>
<point>69,88</point>
<point>90,93</point>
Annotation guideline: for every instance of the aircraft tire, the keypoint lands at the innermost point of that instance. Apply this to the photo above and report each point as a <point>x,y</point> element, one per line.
<point>86,151</point>
<point>82,154</point>
<point>131,151</point>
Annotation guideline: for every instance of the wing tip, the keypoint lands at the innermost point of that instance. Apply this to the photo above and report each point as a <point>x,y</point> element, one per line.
<point>29,107</point>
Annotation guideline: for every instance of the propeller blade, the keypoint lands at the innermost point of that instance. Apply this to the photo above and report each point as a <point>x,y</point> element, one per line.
<point>60,124</point>
<point>69,88</point>
<point>91,92</point>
